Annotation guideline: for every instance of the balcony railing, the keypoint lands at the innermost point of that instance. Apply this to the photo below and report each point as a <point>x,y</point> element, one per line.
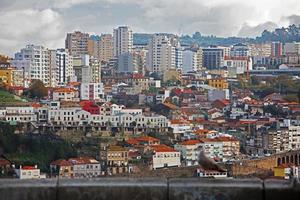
<point>148,189</point>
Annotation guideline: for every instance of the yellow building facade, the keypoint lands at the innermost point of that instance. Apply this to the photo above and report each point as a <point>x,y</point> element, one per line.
<point>218,83</point>
<point>6,76</point>
<point>11,76</point>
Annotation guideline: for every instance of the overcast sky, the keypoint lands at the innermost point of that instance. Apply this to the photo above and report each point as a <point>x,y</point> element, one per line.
<point>46,22</point>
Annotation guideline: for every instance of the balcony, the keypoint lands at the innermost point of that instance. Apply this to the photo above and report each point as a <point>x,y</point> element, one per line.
<point>148,189</point>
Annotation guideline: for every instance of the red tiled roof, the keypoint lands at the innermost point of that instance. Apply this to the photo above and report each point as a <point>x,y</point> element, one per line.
<point>83,160</point>
<point>190,142</point>
<point>248,121</point>
<point>28,167</point>
<point>147,139</point>
<point>179,121</point>
<point>201,131</point>
<point>137,76</point>
<point>209,140</point>
<point>74,83</point>
<point>226,139</point>
<point>61,162</point>
<point>36,105</point>
<point>132,141</point>
<point>139,140</point>
<point>64,90</point>
<point>162,148</point>
<point>225,102</point>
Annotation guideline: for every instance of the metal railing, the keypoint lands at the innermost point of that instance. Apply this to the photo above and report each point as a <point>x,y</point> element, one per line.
<point>149,189</point>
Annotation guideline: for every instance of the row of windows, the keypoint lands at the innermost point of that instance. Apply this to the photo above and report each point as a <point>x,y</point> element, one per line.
<point>117,154</point>
<point>166,155</point>
<point>19,118</point>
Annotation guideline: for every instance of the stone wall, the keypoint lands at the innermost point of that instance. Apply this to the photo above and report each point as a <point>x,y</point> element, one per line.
<point>148,189</point>
<point>246,167</point>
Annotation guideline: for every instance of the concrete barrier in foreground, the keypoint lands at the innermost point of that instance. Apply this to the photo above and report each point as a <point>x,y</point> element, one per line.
<point>148,189</point>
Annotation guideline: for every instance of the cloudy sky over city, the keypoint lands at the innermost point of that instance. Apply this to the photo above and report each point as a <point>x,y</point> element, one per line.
<point>46,22</point>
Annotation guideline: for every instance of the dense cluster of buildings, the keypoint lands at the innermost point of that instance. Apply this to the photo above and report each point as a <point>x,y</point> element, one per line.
<point>141,93</point>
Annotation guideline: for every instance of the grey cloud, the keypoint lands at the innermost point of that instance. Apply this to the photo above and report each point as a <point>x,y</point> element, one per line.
<point>293,19</point>
<point>30,26</point>
<point>252,31</point>
<point>47,21</point>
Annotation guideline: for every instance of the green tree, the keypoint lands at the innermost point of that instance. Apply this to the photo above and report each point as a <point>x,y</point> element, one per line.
<point>37,89</point>
<point>33,149</point>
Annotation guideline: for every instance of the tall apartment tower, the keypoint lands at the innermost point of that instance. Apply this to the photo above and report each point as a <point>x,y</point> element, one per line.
<point>175,41</point>
<point>213,58</point>
<point>101,47</point>
<point>161,54</point>
<point>35,63</point>
<point>95,70</point>
<point>122,40</point>
<point>93,46</point>
<point>192,60</point>
<point>61,67</point>
<point>77,43</point>
<point>276,49</point>
<point>106,50</point>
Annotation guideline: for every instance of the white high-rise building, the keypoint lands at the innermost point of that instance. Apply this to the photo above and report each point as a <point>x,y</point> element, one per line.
<point>122,40</point>
<point>175,41</point>
<point>61,69</point>
<point>190,61</point>
<point>35,62</point>
<point>162,54</point>
<point>179,57</point>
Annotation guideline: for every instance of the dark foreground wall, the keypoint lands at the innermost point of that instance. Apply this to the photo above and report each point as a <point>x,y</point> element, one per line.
<point>148,189</point>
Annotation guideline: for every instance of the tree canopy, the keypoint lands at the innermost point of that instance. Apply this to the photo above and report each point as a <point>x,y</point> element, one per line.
<point>37,89</point>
